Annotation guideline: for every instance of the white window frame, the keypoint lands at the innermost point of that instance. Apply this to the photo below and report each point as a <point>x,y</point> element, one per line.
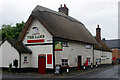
<point>64,63</point>
<point>88,46</point>
<point>25,59</point>
<point>65,44</point>
<point>98,60</point>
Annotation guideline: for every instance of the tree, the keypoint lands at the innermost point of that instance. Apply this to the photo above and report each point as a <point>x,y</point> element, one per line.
<point>9,31</point>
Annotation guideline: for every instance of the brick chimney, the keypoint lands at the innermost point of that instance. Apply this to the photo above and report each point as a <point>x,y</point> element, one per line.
<point>98,34</point>
<point>63,9</point>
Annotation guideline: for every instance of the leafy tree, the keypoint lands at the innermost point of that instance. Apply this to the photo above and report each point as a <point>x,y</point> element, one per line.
<point>9,31</point>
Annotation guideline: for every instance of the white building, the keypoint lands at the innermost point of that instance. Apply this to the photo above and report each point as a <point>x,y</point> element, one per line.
<point>58,38</point>
<point>50,38</point>
<point>102,53</point>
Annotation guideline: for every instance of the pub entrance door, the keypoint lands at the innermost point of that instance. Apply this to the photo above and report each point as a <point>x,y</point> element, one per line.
<point>41,64</point>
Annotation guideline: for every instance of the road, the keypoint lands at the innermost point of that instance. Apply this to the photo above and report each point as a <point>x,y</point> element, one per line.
<point>111,73</point>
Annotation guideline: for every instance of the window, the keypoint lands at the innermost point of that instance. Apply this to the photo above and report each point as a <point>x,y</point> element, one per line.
<point>65,44</point>
<point>88,46</point>
<point>64,62</point>
<point>103,56</point>
<point>98,60</point>
<point>25,59</point>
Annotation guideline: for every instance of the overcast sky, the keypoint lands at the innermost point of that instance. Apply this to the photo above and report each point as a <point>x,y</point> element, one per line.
<point>89,12</point>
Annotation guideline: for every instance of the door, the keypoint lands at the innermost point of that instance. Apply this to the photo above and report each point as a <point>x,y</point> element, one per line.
<point>79,63</point>
<point>41,64</point>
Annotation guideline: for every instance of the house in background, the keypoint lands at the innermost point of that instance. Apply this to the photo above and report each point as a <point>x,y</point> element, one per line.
<point>114,45</point>
<point>102,53</point>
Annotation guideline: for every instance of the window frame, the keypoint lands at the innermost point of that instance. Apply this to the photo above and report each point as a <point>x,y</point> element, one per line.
<point>98,60</point>
<point>25,59</point>
<point>88,46</point>
<point>65,44</point>
<point>64,62</point>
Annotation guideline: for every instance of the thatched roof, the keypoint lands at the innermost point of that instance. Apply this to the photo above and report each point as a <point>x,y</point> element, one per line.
<point>102,46</point>
<point>59,25</point>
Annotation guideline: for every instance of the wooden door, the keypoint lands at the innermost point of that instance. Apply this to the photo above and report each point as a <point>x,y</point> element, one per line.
<point>79,63</point>
<point>41,64</point>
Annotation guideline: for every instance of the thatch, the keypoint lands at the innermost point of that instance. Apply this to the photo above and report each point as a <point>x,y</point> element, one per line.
<point>59,25</point>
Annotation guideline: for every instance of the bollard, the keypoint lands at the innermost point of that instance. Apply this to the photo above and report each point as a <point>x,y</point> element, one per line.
<point>84,67</point>
<point>10,67</point>
<point>67,69</point>
<point>96,65</point>
<point>91,66</point>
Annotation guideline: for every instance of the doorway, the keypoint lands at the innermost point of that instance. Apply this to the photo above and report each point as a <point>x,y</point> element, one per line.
<point>79,62</point>
<point>41,64</point>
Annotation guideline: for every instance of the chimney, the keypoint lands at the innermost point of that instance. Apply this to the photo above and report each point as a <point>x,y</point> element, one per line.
<point>63,9</point>
<point>98,34</point>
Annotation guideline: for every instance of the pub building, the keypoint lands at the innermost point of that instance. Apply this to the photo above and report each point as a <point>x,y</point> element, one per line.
<point>51,38</point>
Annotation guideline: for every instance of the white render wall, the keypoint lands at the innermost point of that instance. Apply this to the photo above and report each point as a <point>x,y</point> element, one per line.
<point>42,31</point>
<point>97,55</point>
<point>39,49</point>
<point>72,52</point>
<point>109,57</point>
<point>106,57</point>
<point>24,64</point>
<point>9,53</point>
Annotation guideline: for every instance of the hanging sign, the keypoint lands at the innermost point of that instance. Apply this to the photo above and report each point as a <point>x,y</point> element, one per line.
<point>58,45</point>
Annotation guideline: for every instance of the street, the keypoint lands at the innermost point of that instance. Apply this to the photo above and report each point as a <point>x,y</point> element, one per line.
<point>104,74</point>
<point>112,72</point>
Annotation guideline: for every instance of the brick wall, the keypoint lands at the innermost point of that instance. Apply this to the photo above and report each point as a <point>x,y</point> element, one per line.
<point>116,53</point>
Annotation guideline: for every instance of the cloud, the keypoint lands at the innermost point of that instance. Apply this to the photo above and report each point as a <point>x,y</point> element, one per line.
<point>89,12</point>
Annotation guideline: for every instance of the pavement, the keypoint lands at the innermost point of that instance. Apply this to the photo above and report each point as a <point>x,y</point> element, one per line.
<point>50,75</point>
<point>103,72</point>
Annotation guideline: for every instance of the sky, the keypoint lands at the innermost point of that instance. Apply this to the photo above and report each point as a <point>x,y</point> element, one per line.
<point>89,12</point>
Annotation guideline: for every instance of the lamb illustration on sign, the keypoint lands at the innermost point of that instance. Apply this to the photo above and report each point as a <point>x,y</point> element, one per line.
<point>36,30</point>
<point>58,46</point>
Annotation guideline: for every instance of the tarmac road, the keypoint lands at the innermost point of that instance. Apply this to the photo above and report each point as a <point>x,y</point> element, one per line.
<point>111,73</point>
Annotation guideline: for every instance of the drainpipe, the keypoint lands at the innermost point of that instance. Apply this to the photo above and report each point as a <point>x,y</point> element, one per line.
<point>93,55</point>
<point>19,60</point>
<point>53,53</point>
